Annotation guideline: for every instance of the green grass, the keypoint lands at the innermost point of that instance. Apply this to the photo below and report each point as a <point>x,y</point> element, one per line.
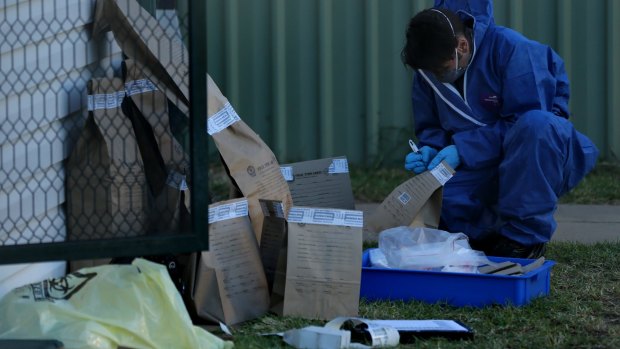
<point>374,185</point>
<point>601,186</point>
<point>582,310</point>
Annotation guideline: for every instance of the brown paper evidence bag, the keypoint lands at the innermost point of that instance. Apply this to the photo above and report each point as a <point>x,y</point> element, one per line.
<point>312,260</point>
<point>250,162</point>
<point>127,172</point>
<point>126,175</point>
<point>228,282</point>
<point>416,202</point>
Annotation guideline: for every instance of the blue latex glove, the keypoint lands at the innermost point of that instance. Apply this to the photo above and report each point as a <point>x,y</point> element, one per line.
<point>449,154</point>
<point>417,162</point>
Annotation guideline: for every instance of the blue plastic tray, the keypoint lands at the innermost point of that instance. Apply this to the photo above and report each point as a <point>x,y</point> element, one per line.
<point>458,289</point>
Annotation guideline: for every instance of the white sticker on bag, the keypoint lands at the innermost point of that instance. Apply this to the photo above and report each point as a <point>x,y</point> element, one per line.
<point>338,166</point>
<point>105,100</point>
<point>139,86</point>
<point>404,198</point>
<point>228,211</point>
<point>287,173</point>
<point>222,119</point>
<point>441,173</point>
<point>323,216</point>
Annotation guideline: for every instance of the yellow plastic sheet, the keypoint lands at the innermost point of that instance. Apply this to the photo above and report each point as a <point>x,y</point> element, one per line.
<point>135,306</point>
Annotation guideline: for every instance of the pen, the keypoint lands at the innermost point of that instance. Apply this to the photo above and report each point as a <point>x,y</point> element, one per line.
<point>413,147</point>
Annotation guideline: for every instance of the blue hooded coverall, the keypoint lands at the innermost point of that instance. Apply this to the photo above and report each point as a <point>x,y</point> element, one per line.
<point>517,149</point>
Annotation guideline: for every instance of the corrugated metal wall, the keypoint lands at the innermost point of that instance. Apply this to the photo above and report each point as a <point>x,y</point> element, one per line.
<point>46,58</point>
<point>314,77</point>
<point>323,77</point>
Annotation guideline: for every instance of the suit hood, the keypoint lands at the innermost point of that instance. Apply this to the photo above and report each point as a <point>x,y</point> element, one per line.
<point>481,11</point>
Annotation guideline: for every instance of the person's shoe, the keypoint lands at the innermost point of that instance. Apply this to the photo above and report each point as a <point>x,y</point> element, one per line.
<point>505,247</point>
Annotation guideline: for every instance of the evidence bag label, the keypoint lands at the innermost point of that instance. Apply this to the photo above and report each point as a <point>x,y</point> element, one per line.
<point>222,119</point>
<point>105,100</point>
<point>287,173</point>
<point>338,166</point>
<point>228,211</point>
<point>404,198</point>
<point>441,174</point>
<point>139,86</point>
<point>323,216</point>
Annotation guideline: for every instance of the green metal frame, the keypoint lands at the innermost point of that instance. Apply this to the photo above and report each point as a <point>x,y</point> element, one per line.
<point>198,113</point>
<point>161,244</point>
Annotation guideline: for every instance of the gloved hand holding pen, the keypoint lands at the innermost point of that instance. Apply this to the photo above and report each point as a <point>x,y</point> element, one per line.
<point>418,161</point>
<point>448,154</point>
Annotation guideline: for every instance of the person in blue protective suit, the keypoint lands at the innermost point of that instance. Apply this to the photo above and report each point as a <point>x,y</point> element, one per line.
<point>494,106</point>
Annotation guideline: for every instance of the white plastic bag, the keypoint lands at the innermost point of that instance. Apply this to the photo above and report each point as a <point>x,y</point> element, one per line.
<point>429,249</point>
<point>377,258</point>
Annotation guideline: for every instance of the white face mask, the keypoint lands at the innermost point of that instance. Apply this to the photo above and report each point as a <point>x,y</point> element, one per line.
<point>453,74</point>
